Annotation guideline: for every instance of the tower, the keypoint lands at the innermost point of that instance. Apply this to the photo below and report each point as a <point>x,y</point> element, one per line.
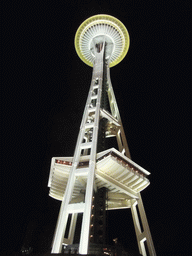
<point>101,41</point>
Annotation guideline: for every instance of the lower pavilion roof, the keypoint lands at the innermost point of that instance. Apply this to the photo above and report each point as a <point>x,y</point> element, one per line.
<point>121,176</point>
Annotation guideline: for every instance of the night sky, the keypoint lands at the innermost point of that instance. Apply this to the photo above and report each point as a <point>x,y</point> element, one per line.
<point>44,91</point>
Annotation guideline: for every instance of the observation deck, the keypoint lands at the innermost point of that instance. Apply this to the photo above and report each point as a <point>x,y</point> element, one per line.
<point>93,30</point>
<point>121,176</point>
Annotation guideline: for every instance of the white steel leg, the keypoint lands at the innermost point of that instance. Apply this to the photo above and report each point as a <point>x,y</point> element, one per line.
<point>146,234</point>
<point>145,224</point>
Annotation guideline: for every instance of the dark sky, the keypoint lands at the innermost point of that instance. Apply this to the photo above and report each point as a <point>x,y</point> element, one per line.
<point>44,90</point>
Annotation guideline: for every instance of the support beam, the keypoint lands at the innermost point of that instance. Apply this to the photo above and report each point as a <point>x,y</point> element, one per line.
<point>76,208</point>
<point>145,224</point>
<point>145,235</point>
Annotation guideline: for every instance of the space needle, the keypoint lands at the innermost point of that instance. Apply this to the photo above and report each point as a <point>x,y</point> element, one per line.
<point>98,177</point>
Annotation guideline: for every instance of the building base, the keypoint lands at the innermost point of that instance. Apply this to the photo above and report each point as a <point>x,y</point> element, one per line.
<point>99,249</point>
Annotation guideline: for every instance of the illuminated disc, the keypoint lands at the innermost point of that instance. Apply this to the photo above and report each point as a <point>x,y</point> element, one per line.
<point>102,25</point>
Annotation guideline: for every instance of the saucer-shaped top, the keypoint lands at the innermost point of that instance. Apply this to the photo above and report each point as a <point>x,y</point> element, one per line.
<point>95,28</point>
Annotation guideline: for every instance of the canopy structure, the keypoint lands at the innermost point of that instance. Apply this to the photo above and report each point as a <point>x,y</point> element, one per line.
<point>121,176</point>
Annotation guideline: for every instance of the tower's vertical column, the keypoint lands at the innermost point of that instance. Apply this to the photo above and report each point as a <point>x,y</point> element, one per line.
<point>83,147</point>
<point>91,146</point>
<point>98,70</point>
